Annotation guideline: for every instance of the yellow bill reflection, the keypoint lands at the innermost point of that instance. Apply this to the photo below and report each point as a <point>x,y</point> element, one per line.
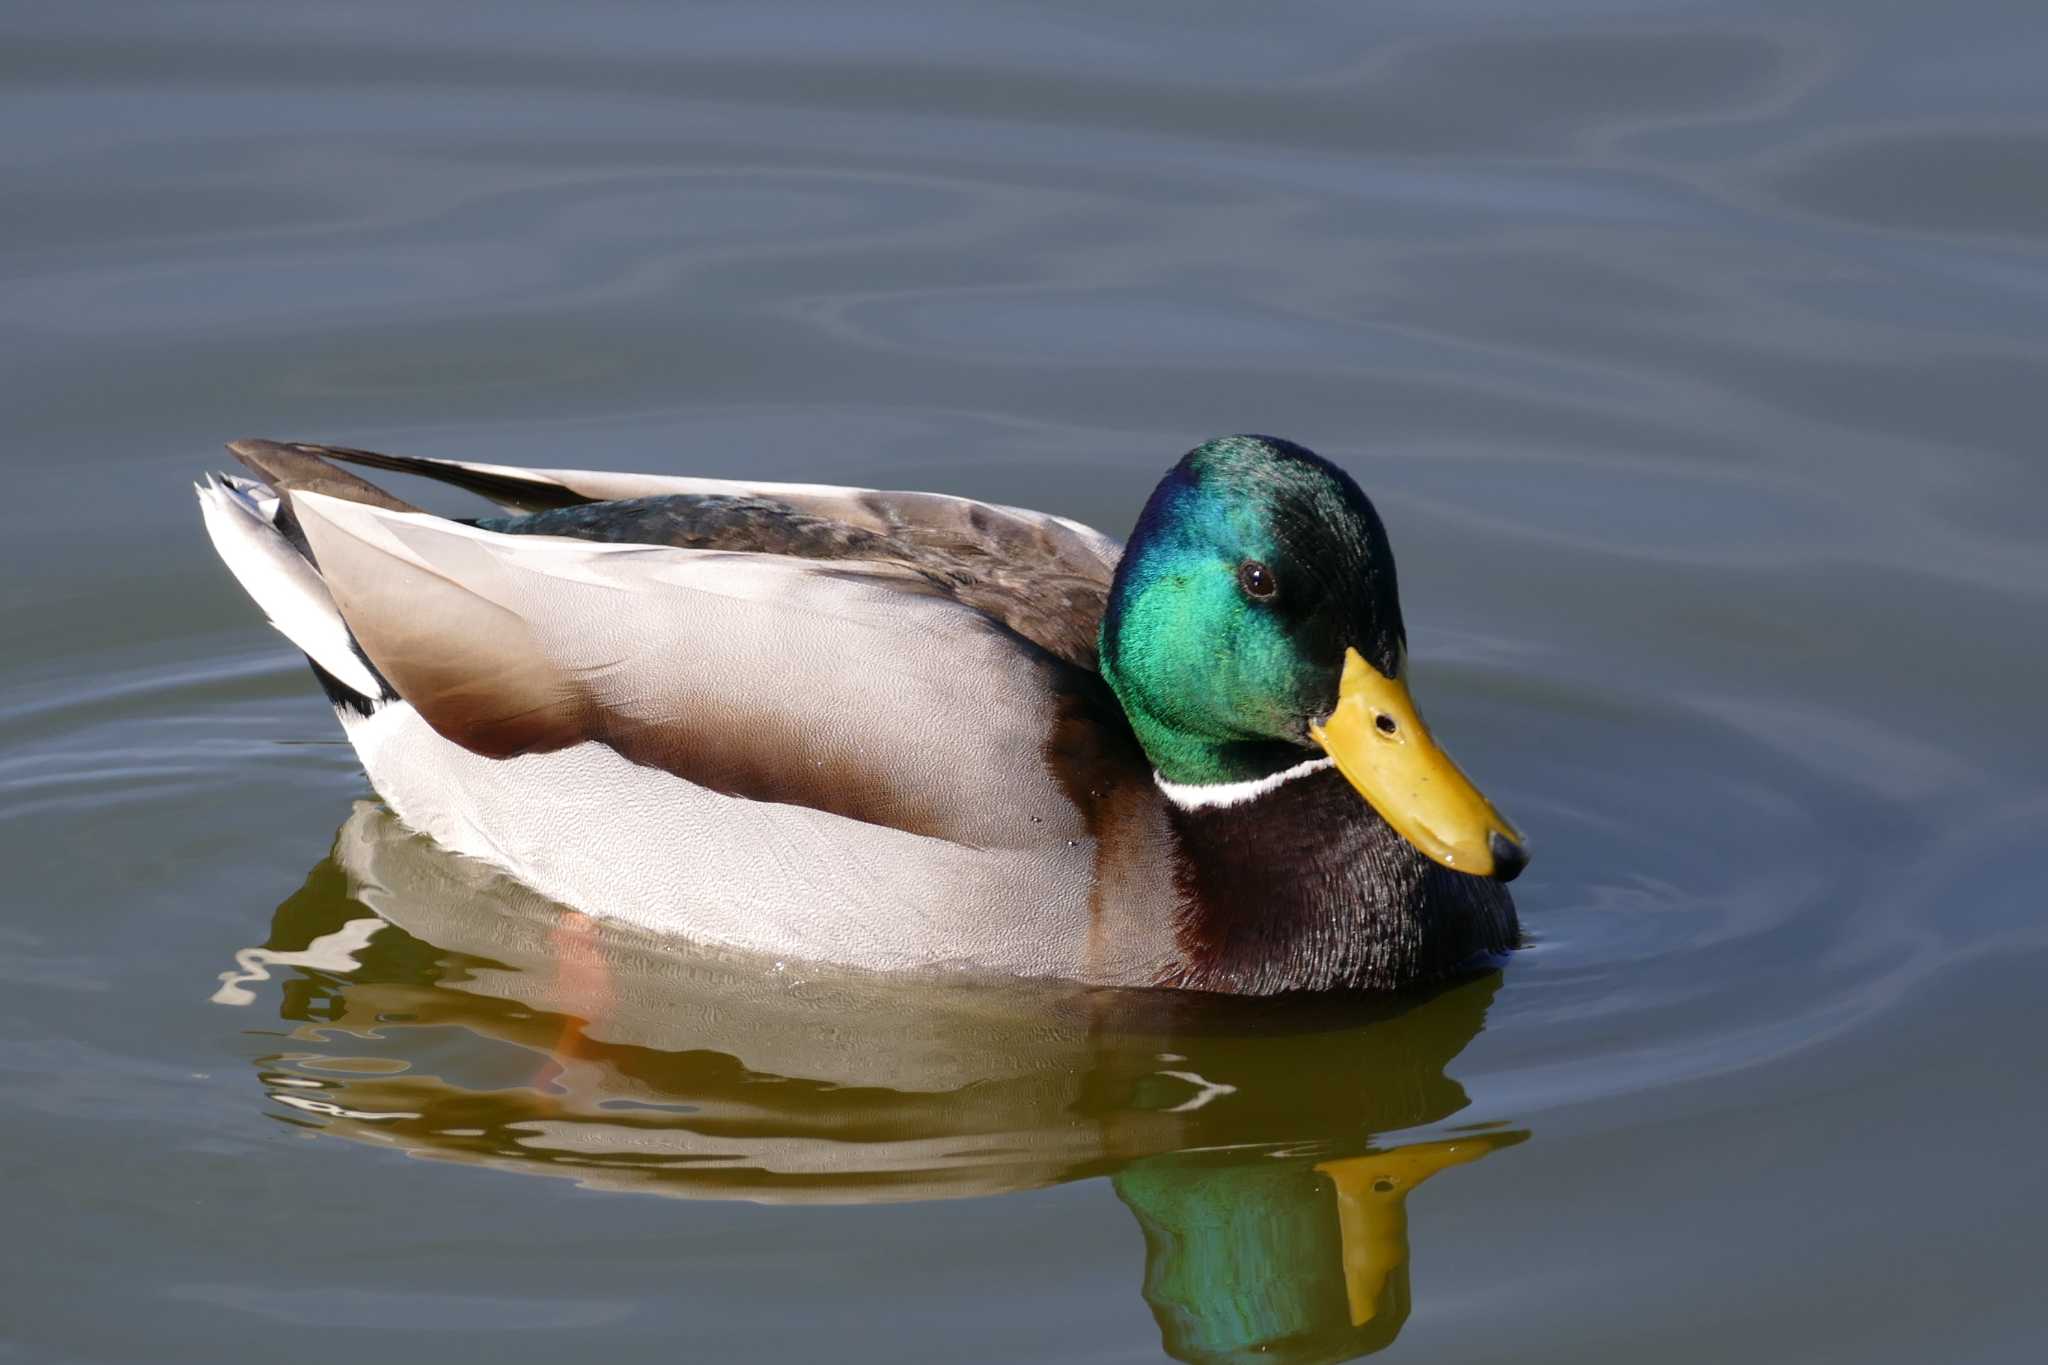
<point>1372,1209</point>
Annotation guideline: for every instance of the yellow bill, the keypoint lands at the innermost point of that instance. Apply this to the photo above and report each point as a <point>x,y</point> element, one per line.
<point>1382,747</point>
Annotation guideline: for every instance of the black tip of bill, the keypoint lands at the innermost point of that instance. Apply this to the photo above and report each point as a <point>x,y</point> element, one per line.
<point>1509,857</point>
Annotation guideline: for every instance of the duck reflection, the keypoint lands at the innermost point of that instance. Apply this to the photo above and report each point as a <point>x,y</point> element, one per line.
<point>445,1011</point>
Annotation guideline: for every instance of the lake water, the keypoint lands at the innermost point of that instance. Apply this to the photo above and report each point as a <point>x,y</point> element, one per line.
<point>1695,354</point>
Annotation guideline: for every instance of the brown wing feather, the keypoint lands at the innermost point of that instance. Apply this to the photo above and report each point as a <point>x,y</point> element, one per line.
<point>301,469</point>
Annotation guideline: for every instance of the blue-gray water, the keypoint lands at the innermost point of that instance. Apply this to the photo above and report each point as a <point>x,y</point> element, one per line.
<point>1695,354</point>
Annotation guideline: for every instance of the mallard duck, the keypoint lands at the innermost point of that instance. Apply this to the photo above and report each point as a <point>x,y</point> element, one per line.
<point>902,730</point>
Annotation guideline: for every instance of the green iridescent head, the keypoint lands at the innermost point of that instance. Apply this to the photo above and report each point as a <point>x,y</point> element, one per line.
<point>1254,624</point>
<point>1254,565</point>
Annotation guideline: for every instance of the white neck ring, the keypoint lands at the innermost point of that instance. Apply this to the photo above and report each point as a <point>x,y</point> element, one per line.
<point>1221,795</point>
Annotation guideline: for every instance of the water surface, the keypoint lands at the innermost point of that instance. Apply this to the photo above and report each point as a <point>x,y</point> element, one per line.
<point>1693,354</point>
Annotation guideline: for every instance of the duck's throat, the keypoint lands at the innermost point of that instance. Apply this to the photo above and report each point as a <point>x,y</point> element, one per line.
<point>1302,886</point>
<point>1185,762</point>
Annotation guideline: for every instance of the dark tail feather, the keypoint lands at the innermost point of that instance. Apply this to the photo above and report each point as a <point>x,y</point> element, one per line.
<point>340,694</point>
<point>299,468</point>
<point>506,489</point>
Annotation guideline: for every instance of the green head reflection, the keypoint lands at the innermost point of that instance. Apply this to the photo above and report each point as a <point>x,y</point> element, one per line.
<point>441,1010</point>
<point>1284,1260</point>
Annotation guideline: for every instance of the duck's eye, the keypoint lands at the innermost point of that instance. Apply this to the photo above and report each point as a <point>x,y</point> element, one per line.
<point>1256,580</point>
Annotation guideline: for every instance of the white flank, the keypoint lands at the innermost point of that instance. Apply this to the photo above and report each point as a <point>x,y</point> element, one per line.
<point>1217,795</point>
<point>287,587</point>
<point>596,832</point>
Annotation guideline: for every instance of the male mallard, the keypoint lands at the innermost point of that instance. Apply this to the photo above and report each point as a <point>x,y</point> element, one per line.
<point>899,730</point>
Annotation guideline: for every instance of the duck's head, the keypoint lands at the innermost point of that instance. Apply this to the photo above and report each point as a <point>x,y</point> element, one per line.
<point>1254,628</point>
